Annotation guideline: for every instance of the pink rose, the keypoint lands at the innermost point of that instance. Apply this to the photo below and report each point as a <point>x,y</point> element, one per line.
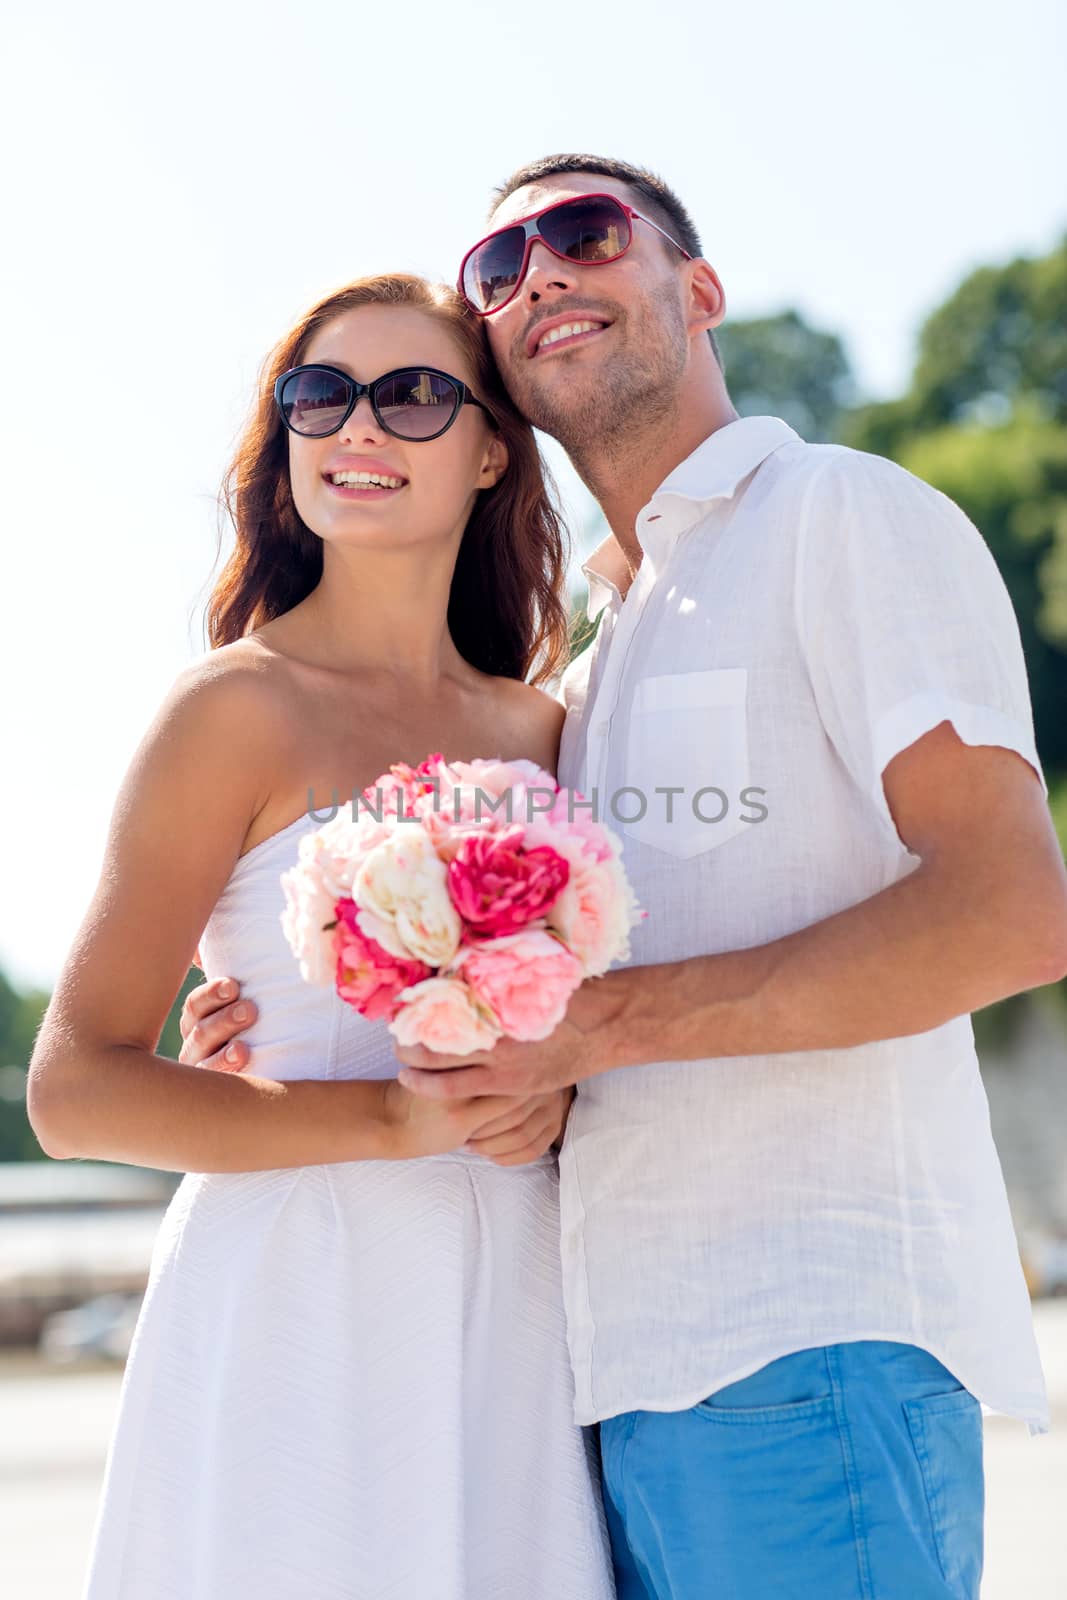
<point>526,980</point>
<point>594,914</point>
<point>574,823</point>
<point>498,887</point>
<point>397,792</point>
<point>309,911</point>
<point>494,777</point>
<point>443,1014</point>
<point>368,976</point>
<point>491,794</point>
<point>596,908</point>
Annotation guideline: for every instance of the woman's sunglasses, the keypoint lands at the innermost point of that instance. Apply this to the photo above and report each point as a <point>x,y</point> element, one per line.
<point>416,403</point>
<point>591,229</point>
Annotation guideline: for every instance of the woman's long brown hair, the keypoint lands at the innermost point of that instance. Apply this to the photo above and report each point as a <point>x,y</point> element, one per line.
<point>506,611</point>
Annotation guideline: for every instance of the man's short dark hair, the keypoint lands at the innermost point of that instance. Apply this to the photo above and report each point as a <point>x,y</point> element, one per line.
<point>653,196</point>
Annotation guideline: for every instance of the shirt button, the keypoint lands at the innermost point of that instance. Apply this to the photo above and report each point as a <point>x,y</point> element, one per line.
<point>600,729</point>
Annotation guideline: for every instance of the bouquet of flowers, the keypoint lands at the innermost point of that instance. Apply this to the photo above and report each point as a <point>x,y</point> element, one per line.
<point>462,901</point>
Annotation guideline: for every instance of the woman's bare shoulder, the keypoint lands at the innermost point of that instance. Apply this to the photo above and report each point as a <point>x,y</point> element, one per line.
<point>239,678</point>
<point>531,722</point>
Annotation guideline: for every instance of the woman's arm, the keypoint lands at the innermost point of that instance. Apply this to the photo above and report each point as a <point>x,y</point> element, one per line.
<point>96,1088</point>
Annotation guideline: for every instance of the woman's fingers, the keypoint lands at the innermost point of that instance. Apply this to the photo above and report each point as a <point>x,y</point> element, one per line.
<point>524,1156</point>
<point>514,1117</point>
<point>530,1139</point>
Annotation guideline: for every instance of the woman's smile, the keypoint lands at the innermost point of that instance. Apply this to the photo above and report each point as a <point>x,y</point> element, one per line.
<point>362,478</point>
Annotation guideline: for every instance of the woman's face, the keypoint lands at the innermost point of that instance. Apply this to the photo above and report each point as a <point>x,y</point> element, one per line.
<point>439,478</point>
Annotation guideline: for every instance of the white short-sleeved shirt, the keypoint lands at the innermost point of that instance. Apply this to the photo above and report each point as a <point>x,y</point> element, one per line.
<point>801,614</point>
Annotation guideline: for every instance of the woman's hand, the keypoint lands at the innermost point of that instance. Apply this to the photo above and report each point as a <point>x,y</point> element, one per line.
<point>421,1127</point>
<point>520,1130</point>
<point>523,1134</point>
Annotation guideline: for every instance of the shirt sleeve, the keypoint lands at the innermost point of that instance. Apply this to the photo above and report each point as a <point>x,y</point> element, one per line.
<point>904,620</point>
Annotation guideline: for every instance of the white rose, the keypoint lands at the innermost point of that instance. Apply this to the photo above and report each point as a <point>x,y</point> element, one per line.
<point>403,883</point>
<point>340,847</point>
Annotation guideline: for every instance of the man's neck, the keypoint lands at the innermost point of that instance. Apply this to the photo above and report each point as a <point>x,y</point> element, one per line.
<point>626,473</point>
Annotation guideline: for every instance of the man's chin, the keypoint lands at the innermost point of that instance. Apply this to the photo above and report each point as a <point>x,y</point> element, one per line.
<point>560,406</point>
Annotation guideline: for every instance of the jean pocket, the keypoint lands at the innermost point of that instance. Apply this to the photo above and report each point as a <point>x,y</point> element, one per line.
<point>687,761</point>
<point>793,1411</point>
<point>946,1434</point>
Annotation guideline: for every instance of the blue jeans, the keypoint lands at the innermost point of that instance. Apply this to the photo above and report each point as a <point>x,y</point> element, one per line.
<point>847,1472</point>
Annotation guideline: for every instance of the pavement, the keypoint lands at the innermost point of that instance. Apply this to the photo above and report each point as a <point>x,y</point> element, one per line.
<point>54,1428</point>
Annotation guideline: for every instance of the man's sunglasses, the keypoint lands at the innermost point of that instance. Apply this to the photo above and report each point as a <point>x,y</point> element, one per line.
<point>591,229</point>
<point>416,403</point>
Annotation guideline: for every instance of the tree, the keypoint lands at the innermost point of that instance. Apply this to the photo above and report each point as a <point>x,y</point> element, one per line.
<point>985,420</point>
<point>1012,483</point>
<point>20,1017</point>
<point>783,367</point>
<point>1001,337</point>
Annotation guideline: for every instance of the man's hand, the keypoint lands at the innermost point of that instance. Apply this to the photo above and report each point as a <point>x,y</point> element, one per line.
<point>579,1048</point>
<point>212,1016</point>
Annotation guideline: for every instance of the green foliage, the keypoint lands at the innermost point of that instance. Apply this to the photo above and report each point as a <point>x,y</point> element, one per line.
<point>781,366</point>
<point>1001,336</point>
<point>170,1040</point>
<point>1012,482</point>
<point>997,1027</point>
<point>20,1018</point>
<point>1057,800</point>
<point>997,346</point>
<point>582,631</point>
<point>985,420</point>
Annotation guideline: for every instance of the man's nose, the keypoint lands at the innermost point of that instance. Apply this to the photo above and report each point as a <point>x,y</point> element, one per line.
<point>546,274</point>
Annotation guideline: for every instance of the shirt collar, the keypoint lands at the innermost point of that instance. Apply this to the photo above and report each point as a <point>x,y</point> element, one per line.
<point>718,465</point>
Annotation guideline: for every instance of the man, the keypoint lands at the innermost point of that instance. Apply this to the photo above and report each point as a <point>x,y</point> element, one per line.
<point>789,1267</point>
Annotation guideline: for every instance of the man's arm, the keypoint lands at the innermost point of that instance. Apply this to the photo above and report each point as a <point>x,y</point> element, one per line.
<point>982,916</point>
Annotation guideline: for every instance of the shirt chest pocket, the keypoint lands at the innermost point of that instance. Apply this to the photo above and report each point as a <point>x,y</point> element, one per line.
<point>687,762</point>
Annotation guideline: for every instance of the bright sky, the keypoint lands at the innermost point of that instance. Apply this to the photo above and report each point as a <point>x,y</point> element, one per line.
<point>181,182</point>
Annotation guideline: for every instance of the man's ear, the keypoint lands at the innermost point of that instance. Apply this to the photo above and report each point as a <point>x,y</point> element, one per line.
<point>494,462</point>
<point>707,300</point>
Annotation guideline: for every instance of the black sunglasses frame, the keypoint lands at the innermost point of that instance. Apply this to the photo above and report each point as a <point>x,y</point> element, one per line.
<point>358,390</point>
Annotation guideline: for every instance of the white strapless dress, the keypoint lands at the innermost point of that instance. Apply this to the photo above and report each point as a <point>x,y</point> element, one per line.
<point>348,1382</point>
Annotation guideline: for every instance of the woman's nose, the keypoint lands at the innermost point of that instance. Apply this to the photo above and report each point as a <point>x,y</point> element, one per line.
<point>362,424</point>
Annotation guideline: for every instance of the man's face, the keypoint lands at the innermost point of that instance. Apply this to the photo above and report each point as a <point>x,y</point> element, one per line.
<point>601,380</point>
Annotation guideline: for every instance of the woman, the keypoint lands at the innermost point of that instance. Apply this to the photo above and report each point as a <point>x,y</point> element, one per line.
<point>350,1375</point>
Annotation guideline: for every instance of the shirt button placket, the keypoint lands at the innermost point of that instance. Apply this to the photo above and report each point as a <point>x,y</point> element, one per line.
<point>626,625</point>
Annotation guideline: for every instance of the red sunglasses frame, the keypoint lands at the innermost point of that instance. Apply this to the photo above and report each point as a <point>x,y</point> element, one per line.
<point>532,231</point>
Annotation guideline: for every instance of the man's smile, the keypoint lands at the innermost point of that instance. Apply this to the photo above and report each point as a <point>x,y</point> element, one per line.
<point>558,333</point>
